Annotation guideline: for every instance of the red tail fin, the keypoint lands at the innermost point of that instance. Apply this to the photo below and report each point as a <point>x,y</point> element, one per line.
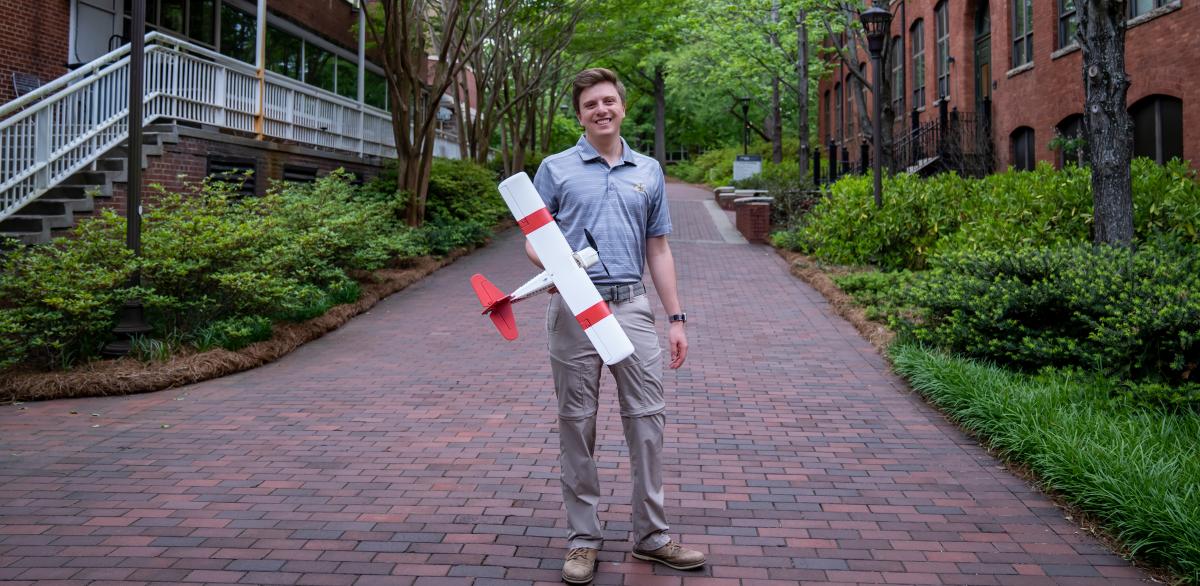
<point>496,305</point>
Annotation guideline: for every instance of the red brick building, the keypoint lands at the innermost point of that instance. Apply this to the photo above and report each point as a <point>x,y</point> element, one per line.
<point>64,94</point>
<point>1020,55</point>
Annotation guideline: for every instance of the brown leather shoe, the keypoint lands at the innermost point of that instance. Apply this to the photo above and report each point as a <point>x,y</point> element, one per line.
<point>579,565</point>
<point>673,555</point>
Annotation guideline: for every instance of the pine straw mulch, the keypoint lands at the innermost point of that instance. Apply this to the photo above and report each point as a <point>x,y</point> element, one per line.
<point>820,277</point>
<point>126,376</point>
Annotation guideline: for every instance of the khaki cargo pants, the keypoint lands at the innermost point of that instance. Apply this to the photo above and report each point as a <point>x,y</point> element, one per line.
<point>576,368</point>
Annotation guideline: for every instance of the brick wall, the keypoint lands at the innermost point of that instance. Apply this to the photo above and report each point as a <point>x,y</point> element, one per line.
<point>1158,54</point>
<point>332,19</point>
<point>186,162</point>
<point>34,36</point>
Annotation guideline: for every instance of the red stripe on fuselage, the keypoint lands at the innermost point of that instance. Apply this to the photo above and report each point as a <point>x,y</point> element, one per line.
<point>592,315</point>
<point>535,220</point>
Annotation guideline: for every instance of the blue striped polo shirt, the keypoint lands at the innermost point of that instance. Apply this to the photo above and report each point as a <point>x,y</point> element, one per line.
<point>621,206</point>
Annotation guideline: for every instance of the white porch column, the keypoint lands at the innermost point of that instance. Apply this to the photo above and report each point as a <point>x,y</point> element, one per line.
<point>260,63</point>
<point>362,75</point>
<point>362,51</point>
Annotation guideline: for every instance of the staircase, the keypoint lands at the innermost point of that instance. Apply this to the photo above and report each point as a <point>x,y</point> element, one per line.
<point>57,211</point>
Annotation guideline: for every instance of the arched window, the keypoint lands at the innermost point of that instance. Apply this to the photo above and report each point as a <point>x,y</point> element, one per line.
<point>917,34</point>
<point>1069,142</point>
<point>1023,157</point>
<point>1022,32</point>
<point>942,30</point>
<point>1068,22</point>
<point>897,57</point>
<point>1158,127</point>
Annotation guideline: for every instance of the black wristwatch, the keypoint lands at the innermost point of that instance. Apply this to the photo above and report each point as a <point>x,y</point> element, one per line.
<point>678,317</point>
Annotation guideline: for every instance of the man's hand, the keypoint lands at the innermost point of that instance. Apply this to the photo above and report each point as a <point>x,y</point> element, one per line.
<point>677,341</point>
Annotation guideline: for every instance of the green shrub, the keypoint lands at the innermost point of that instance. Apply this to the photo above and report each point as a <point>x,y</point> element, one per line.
<point>463,191</point>
<point>880,294</point>
<point>1166,199</point>
<point>58,302</point>
<point>685,171</point>
<point>233,333</point>
<point>1041,207</point>
<point>846,228</point>
<point>1133,315</point>
<point>948,214</point>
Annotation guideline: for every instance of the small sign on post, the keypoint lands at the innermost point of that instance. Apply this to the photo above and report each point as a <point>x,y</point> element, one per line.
<point>745,166</point>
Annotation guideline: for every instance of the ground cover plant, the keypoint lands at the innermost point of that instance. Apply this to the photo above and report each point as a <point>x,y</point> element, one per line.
<point>1135,470</point>
<point>217,270</point>
<point>1076,362</point>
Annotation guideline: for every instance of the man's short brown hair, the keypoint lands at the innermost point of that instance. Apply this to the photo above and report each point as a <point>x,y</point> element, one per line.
<point>590,77</point>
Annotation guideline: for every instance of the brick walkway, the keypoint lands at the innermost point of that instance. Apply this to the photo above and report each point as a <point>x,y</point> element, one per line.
<point>415,446</point>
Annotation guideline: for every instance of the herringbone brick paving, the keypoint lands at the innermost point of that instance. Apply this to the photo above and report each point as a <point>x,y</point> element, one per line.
<point>415,446</point>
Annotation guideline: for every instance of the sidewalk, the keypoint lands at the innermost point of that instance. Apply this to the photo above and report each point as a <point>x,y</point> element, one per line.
<point>416,446</point>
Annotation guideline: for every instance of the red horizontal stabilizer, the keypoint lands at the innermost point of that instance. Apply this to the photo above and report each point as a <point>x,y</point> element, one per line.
<point>496,305</point>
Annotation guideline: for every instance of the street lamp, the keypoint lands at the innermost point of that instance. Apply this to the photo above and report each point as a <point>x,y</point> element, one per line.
<point>132,321</point>
<point>745,101</point>
<point>876,22</point>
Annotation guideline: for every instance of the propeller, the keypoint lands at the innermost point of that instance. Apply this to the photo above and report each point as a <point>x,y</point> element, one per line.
<point>592,242</point>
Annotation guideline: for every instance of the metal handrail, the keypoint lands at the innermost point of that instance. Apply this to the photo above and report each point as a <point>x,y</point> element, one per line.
<point>68,124</point>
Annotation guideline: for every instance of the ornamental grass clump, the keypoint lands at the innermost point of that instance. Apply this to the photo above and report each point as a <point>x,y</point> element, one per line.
<point>1137,471</point>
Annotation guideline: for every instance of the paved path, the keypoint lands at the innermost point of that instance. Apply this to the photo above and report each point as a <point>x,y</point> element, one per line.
<point>415,446</point>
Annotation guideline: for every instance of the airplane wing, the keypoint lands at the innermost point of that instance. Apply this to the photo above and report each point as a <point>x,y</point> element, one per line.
<point>572,280</point>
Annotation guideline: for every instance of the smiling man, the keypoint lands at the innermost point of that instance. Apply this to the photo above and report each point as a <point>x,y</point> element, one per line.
<point>602,186</point>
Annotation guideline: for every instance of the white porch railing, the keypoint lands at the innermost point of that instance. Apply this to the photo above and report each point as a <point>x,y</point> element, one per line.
<point>50,134</point>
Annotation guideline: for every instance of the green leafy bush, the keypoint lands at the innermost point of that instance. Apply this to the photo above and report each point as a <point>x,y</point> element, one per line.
<point>463,191</point>
<point>1166,199</point>
<point>1041,207</point>
<point>948,214</point>
<point>233,333</point>
<point>846,228</point>
<point>58,302</point>
<point>1130,314</point>
<point>881,294</point>
<point>216,267</point>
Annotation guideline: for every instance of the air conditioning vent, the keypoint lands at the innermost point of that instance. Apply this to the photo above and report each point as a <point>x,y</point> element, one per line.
<point>233,171</point>
<point>297,174</point>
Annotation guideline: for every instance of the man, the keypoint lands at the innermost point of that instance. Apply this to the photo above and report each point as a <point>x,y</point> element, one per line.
<point>603,186</point>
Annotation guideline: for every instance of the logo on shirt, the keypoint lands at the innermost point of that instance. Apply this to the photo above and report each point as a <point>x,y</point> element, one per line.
<point>640,188</point>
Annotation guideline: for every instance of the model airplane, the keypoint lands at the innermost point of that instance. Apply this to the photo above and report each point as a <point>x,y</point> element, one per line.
<point>565,270</point>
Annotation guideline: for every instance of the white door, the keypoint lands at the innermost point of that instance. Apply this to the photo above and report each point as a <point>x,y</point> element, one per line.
<point>96,23</point>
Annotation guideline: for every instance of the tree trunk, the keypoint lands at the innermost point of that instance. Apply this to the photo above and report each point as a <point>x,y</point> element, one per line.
<point>802,154</point>
<point>1107,125</point>
<point>776,124</point>
<point>776,114</point>
<point>660,116</point>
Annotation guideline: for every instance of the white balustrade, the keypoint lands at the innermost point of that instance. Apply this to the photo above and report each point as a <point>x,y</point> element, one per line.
<point>63,127</point>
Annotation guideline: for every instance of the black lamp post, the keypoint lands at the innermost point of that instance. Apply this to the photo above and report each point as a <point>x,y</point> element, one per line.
<point>876,22</point>
<point>745,101</point>
<point>132,322</point>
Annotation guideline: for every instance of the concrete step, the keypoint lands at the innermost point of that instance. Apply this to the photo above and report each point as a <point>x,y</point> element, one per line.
<point>56,213</point>
<point>80,205</point>
<point>30,230</point>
